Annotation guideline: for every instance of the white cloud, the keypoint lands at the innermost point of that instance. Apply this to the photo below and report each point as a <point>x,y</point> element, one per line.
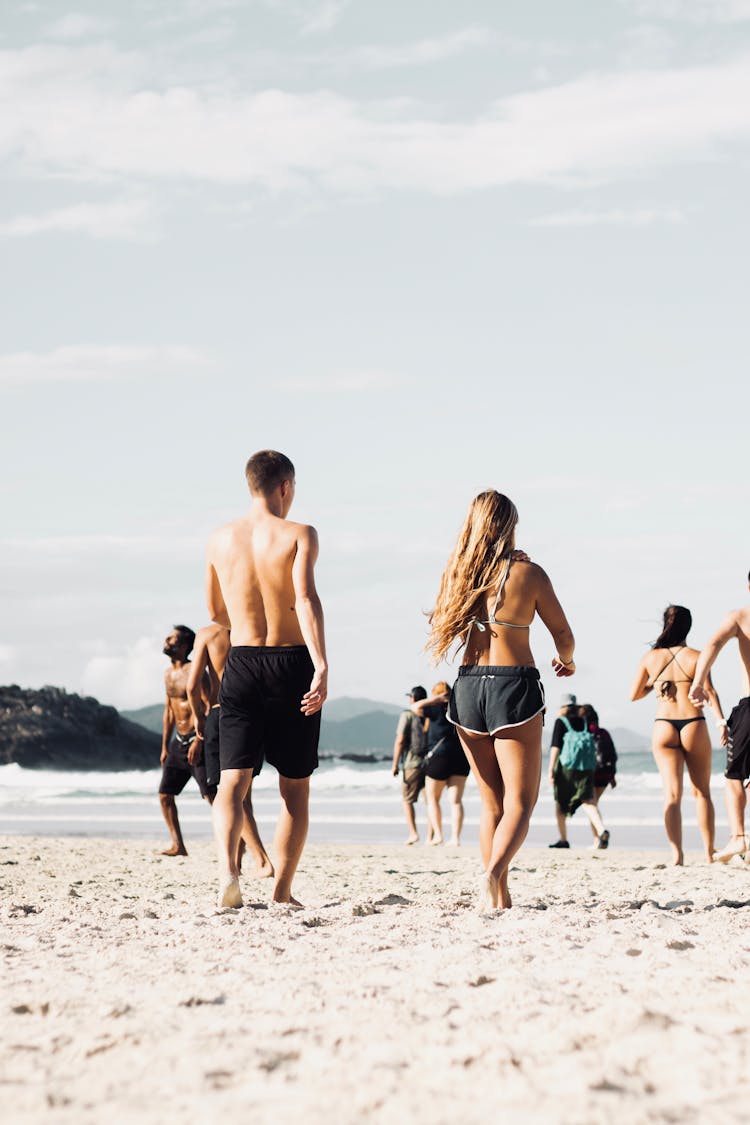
<point>322,16</point>
<point>643,217</point>
<point>121,219</point>
<point>353,382</point>
<point>424,51</point>
<point>128,677</point>
<point>76,25</point>
<point>69,117</point>
<point>91,362</point>
<point>694,11</point>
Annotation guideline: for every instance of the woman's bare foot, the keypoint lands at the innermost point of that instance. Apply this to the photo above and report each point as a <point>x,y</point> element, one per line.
<point>175,849</point>
<point>433,843</point>
<point>488,892</point>
<point>677,858</point>
<point>504,894</point>
<point>291,901</point>
<point>412,840</point>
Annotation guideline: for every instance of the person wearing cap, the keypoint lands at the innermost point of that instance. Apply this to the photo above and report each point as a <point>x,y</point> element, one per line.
<point>409,751</point>
<point>573,788</point>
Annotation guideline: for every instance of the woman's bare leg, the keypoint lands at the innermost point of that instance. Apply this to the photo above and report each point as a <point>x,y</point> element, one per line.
<point>670,759</point>
<point>433,793</point>
<point>697,746</point>
<point>508,778</point>
<point>456,786</point>
<point>595,820</point>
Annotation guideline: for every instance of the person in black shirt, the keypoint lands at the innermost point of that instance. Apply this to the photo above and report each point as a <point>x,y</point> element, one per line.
<point>573,788</point>
<point>445,763</point>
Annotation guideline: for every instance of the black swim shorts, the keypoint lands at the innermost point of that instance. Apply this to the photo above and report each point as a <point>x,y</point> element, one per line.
<point>260,697</point>
<point>488,698</point>
<point>177,770</point>
<point>211,746</point>
<point>738,747</point>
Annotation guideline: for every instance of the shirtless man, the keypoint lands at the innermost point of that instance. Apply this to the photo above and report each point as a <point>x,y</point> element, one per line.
<point>260,584</point>
<point>180,756</point>
<point>735,732</point>
<point>206,670</point>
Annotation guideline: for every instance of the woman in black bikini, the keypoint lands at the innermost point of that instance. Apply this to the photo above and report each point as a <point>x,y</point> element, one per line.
<point>680,736</point>
<point>488,597</point>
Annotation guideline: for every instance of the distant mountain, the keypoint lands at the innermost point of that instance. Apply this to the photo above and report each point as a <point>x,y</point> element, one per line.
<point>50,729</point>
<point>628,741</point>
<point>350,726</point>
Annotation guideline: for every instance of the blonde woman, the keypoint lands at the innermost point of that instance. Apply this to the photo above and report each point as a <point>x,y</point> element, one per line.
<point>489,595</point>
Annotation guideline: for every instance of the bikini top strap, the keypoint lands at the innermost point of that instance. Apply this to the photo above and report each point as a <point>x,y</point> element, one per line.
<point>663,670</point>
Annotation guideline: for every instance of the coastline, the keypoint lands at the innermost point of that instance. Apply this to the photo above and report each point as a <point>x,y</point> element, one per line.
<point>604,993</point>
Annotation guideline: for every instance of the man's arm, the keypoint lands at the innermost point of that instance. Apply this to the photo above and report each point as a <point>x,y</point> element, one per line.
<point>310,617</point>
<point>196,684</point>
<point>167,728</point>
<point>399,745</point>
<point>554,754</point>
<point>217,609</point>
<point>724,633</point>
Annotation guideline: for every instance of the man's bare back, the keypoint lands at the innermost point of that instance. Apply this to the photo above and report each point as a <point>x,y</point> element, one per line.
<point>260,584</point>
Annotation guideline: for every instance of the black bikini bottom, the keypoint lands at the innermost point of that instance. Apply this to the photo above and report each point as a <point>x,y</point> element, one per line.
<point>678,724</point>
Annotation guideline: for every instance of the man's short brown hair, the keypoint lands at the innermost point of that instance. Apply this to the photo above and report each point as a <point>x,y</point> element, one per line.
<point>266,469</point>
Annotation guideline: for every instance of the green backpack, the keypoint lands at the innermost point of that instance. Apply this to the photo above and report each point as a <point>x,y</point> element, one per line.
<point>578,750</point>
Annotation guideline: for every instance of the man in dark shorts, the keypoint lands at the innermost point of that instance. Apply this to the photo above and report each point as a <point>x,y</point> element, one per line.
<point>180,751</point>
<point>260,584</point>
<point>206,671</point>
<point>734,732</point>
<point>409,751</point>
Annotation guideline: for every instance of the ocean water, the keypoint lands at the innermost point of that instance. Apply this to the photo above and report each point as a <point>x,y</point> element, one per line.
<point>350,803</point>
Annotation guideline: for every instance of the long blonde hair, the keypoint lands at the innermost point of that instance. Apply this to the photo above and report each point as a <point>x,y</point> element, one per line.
<point>485,540</point>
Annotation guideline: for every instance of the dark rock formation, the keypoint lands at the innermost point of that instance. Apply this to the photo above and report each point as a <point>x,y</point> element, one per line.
<point>50,729</point>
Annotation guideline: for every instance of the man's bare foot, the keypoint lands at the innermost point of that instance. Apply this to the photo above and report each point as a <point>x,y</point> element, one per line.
<point>433,843</point>
<point>412,840</point>
<point>737,846</point>
<point>488,891</point>
<point>455,843</point>
<point>176,849</point>
<point>264,869</point>
<point>229,893</point>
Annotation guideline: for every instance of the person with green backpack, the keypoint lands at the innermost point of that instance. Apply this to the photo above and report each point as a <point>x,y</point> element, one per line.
<point>572,763</point>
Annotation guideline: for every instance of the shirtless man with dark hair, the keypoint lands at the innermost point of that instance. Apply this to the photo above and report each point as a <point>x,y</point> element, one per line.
<point>206,670</point>
<point>181,754</point>
<point>260,584</point>
<point>735,732</point>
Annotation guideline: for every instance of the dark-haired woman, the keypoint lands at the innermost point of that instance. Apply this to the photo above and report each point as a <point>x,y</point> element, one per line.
<point>680,737</point>
<point>487,601</point>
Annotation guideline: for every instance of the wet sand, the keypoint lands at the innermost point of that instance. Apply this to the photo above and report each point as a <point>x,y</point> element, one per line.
<point>616,989</point>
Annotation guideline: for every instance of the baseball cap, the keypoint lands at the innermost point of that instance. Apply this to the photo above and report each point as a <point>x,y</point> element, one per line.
<point>568,700</point>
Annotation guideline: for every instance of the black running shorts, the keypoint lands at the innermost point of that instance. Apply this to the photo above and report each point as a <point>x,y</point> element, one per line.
<point>487,698</point>
<point>738,747</point>
<point>211,747</point>
<point>260,697</point>
<point>177,771</point>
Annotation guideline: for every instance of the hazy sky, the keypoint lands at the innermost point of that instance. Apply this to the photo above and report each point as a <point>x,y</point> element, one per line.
<point>423,248</point>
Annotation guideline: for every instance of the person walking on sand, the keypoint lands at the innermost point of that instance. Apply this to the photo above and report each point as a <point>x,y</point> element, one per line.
<point>260,584</point>
<point>206,670</point>
<point>735,732</point>
<point>605,771</point>
<point>409,751</point>
<point>572,777</point>
<point>489,595</point>
<point>445,764</point>
<point>180,752</point>
<point>680,737</point>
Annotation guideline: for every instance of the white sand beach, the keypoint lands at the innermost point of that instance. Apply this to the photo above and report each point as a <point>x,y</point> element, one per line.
<point>616,989</point>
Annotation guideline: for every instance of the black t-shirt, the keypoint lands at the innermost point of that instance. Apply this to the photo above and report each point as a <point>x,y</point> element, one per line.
<point>439,726</point>
<point>559,730</point>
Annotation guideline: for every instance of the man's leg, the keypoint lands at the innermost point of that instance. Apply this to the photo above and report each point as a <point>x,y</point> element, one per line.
<point>735,798</point>
<point>252,840</point>
<point>169,811</point>
<point>291,833</point>
<point>411,821</point>
<point>228,818</point>
<point>562,825</point>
